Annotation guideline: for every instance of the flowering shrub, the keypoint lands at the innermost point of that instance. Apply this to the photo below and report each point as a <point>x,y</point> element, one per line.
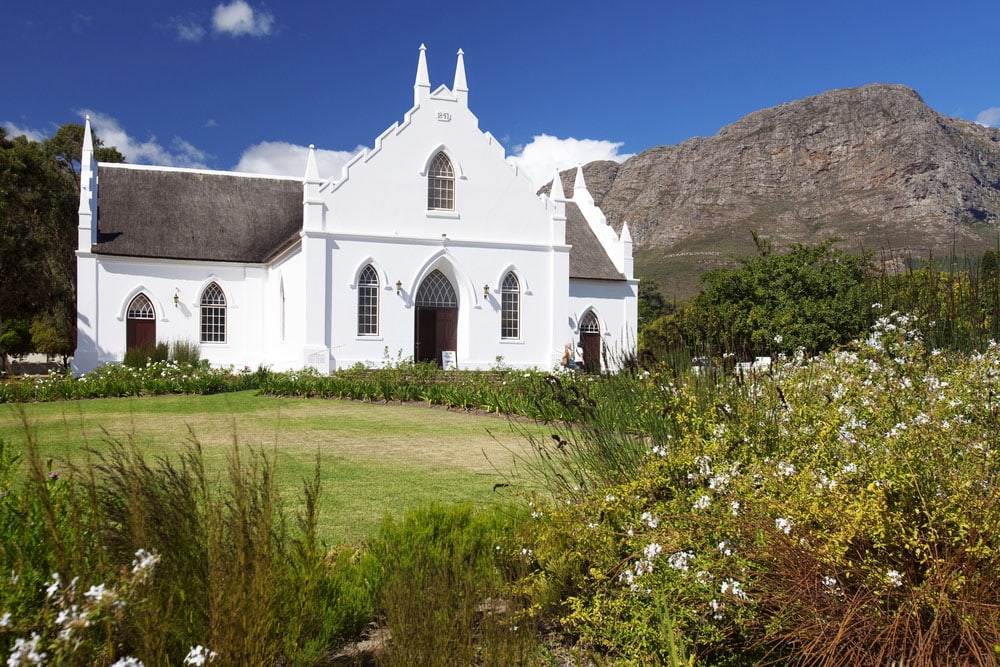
<point>113,380</point>
<point>842,507</point>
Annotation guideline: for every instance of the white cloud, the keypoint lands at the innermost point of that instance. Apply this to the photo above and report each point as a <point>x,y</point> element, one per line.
<point>16,131</point>
<point>238,18</point>
<point>280,158</point>
<point>189,31</point>
<point>544,154</point>
<point>989,117</point>
<point>180,154</point>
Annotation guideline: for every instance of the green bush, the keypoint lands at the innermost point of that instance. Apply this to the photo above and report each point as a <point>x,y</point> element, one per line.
<point>141,355</point>
<point>442,590</point>
<point>185,352</point>
<point>837,509</point>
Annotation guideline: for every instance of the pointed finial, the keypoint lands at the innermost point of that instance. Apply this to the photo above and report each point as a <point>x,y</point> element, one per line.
<point>579,184</point>
<point>88,142</point>
<point>557,188</point>
<point>312,170</point>
<point>422,86</point>
<point>625,236</point>
<point>461,88</point>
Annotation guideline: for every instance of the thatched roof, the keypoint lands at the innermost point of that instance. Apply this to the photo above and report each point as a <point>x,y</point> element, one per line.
<point>195,215</point>
<point>587,258</point>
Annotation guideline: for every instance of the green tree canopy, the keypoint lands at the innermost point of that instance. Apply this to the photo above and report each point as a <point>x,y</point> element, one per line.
<point>811,297</point>
<point>39,199</point>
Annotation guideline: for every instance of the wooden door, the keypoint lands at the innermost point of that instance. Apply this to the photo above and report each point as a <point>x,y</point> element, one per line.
<point>140,323</point>
<point>425,335</point>
<point>447,331</point>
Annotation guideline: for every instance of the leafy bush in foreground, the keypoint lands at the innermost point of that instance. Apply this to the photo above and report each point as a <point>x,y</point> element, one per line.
<point>841,509</point>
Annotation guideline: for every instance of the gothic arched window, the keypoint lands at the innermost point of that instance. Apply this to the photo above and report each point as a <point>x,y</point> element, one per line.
<point>441,184</point>
<point>510,307</point>
<point>213,315</point>
<point>368,302</point>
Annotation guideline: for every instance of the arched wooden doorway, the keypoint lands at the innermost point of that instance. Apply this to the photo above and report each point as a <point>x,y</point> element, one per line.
<point>140,323</point>
<point>436,319</point>
<point>590,336</point>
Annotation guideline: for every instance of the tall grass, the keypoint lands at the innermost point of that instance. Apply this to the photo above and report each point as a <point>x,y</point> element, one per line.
<point>443,597</point>
<point>232,572</point>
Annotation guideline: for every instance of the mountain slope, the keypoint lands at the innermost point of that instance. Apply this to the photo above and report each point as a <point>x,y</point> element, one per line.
<point>873,166</point>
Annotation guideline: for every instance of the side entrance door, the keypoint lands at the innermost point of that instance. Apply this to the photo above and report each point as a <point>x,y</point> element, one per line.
<point>140,323</point>
<point>590,335</point>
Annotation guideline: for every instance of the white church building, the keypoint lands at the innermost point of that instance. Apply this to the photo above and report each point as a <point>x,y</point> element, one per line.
<point>429,246</point>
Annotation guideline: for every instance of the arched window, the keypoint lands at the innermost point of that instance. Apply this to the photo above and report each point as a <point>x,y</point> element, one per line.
<point>510,307</point>
<point>441,184</point>
<point>368,302</point>
<point>141,308</point>
<point>436,292</point>
<point>213,315</point>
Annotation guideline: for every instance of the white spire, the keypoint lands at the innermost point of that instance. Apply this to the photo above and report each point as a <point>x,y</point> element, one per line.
<point>312,171</point>
<point>625,236</point>
<point>580,192</point>
<point>461,88</point>
<point>422,86</point>
<point>557,193</point>
<point>88,142</point>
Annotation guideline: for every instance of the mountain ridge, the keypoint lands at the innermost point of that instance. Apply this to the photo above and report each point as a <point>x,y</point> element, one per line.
<point>873,166</point>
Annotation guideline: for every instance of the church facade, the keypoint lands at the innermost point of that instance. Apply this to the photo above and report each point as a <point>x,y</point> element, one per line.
<point>429,246</point>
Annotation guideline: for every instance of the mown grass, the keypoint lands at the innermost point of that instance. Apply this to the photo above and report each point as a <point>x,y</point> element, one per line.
<point>376,459</point>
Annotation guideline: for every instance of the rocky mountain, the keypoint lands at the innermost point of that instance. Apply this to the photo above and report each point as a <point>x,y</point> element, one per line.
<point>873,166</point>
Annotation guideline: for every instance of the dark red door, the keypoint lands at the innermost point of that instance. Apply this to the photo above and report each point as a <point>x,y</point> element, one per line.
<point>425,338</point>
<point>436,331</point>
<point>591,352</point>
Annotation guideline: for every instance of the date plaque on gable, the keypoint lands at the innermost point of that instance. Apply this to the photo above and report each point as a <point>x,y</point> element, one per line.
<point>444,116</point>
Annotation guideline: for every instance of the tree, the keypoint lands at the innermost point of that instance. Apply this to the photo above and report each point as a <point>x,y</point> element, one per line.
<point>652,305</point>
<point>39,198</point>
<point>811,297</point>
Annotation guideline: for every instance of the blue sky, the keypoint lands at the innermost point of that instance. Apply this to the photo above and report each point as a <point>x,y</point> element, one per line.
<point>246,84</point>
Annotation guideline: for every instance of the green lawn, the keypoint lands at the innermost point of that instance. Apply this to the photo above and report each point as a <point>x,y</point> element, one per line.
<point>375,458</point>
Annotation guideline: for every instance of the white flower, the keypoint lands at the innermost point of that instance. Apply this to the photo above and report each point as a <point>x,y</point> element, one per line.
<point>702,503</point>
<point>680,560</point>
<point>733,587</point>
<point>734,508</point>
<point>895,578</point>
<point>786,469</point>
<point>25,652</point>
<point>725,548</point>
<point>144,562</point>
<point>650,520</point>
<point>127,662</point>
<point>784,525</point>
<point>52,587</point>
<point>199,655</point>
<point>5,620</point>
<point>98,593</point>
<point>652,551</point>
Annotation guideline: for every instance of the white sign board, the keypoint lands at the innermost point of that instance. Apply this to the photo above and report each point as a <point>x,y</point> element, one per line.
<point>448,360</point>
